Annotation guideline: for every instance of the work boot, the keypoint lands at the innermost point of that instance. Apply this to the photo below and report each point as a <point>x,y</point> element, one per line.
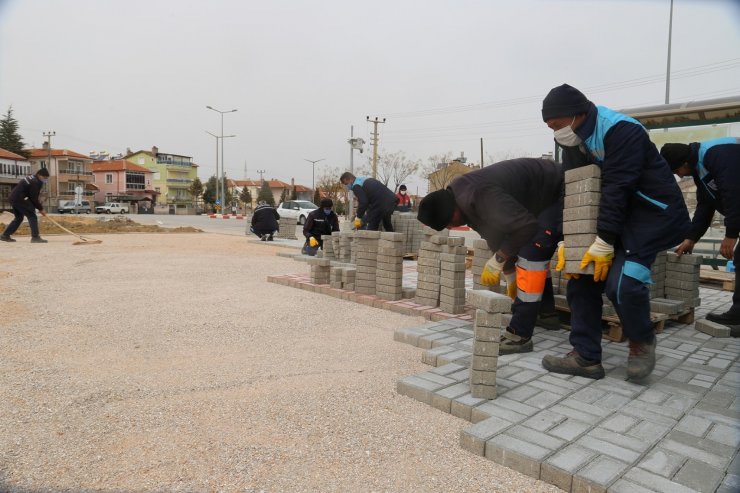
<point>730,317</point>
<point>269,238</point>
<point>548,321</point>
<point>6,238</point>
<point>641,360</point>
<point>38,239</point>
<point>263,237</point>
<point>512,343</point>
<point>573,364</point>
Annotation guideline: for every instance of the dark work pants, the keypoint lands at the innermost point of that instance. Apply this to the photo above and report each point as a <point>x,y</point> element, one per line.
<point>629,295</point>
<point>375,218</point>
<point>540,249</point>
<point>21,211</point>
<point>736,295</point>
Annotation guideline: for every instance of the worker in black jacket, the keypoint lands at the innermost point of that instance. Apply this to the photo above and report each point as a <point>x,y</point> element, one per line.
<point>715,167</point>
<point>265,221</point>
<point>24,198</point>
<point>322,221</point>
<point>641,212</point>
<point>372,197</point>
<point>516,206</point>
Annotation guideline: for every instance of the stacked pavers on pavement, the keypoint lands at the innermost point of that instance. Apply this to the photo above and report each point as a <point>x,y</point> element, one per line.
<point>320,270</point>
<point>657,273</point>
<point>365,251</point>
<point>410,227</point>
<point>343,245</point>
<point>428,267</point>
<point>481,255</point>
<point>389,273</point>
<point>348,277</point>
<point>287,227</point>
<point>581,209</point>
<point>682,278</point>
<point>490,308</point>
<point>327,247</point>
<point>452,275</point>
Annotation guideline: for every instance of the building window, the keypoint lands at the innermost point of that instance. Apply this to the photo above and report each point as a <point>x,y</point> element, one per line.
<point>135,181</point>
<point>109,178</point>
<point>141,160</point>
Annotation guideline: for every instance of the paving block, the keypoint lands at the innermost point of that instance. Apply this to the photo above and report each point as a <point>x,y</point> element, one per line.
<point>712,328</point>
<point>582,173</point>
<point>598,475</point>
<point>517,454</point>
<point>583,186</point>
<point>483,391</point>
<point>581,199</point>
<point>486,363</point>
<point>487,334</point>
<point>485,348</point>
<point>442,399</point>
<point>489,301</point>
<point>474,438</point>
<point>479,377</point>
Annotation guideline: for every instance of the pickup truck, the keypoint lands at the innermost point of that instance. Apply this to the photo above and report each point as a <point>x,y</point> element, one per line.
<point>111,208</point>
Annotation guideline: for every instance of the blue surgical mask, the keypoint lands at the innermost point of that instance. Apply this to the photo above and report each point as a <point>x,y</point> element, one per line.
<point>348,187</point>
<point>327,211</point>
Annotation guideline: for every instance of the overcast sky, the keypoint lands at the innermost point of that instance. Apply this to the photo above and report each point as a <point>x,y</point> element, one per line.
<point>108,75</point>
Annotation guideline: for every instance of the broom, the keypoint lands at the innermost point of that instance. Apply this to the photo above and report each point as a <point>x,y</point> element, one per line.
<point>84,240</point>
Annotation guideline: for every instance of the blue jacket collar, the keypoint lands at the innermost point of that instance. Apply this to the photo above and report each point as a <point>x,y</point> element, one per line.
<point>588,125</point>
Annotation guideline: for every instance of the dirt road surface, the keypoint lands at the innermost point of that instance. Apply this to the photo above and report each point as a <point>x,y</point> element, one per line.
<point>166,362</point>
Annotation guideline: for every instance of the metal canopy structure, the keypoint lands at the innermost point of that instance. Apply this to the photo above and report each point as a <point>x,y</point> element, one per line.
<point>706,112</point>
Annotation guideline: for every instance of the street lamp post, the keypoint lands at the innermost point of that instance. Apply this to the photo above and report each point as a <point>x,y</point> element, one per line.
<point>222,147</point>
<point>217,177</point>
<point>313,172</point>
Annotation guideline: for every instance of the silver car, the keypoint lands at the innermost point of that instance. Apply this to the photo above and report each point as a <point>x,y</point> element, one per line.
<point>69,206</point>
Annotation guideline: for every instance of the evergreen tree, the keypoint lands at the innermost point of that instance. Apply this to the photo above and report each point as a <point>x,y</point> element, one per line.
<point>196,190</point>
<point>246,197</point>
<point>266,194</point>
<point>284,195</point>
<point>293,194</point>
<point>10,139</point>
<point>209,195</point>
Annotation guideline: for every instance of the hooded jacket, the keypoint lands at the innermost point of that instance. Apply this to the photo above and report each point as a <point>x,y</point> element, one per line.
<point>27,190</point>
<point>373,195</point>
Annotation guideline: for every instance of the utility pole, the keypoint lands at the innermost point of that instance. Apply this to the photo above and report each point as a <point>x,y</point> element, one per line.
<point>668,69</point>
<point>261,172</point>
<point>245,169</point>
<point>481,152</point>
<point>49,135</point>
<point>313,172</point>
<point>375,122</point>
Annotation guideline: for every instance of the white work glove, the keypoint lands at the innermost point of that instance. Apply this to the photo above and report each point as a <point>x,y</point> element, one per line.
<point>491,275</point>
<point>601,254</point>
<point>510,284</point>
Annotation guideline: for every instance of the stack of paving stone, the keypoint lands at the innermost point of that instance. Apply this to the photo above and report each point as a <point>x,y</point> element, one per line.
<point>410,227</point>
<point>487,334</point>
<point>328,247</point>
<point>320,270</point>
<point>682,278</point>
<point>287,228</point>
<point>365,251</point>
<point>452,275</point>
<point>389,274</point>
<point>581,209</point>
<point>481,255</point>
<point>428,267</point>
<point>348,278</point>
<point>335,277</point>
<point>657,273</point>
<point>342,241</point>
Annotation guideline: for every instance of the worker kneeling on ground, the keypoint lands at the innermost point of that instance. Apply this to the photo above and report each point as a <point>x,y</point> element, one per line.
<point>322,221</point>
<point>516,207</point>
<point>372,197</point>
<point>641,212</point>
<point>715,167</point>
<point>265,221</point>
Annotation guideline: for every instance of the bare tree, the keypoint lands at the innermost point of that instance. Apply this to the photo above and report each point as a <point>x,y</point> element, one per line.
<point>329,186</point>
<point>393,168</point>
<point>438,172</point>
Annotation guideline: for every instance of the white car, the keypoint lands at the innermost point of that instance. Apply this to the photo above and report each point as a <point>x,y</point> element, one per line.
<point>297,209</point>
<point>112,208</point>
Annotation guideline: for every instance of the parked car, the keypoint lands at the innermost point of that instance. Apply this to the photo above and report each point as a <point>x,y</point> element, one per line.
<point>71,207</point>
<point>297,209</point>
<point>112,208</point>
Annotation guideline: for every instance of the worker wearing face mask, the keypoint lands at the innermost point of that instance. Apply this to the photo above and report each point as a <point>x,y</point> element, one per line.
<point>404,201</point>
<point>641,213</point>
<point>25,200</point>
<point>322,221</point>
<point>373,198</point>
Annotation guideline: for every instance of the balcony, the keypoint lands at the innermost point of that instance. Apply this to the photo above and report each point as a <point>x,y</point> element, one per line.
<point>75,172</point>
<point>173,162</point>
<point>67,193</point>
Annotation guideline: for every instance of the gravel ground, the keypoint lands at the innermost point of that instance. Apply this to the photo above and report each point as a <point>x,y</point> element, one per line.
<point>166,362</point>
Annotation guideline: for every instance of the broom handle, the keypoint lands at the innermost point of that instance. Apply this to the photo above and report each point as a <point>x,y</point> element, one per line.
<point>63,228</point>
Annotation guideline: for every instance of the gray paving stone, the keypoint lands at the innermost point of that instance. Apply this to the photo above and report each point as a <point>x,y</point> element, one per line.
<point>654,482</point>
<point>463,406</point>
<point>559,468</point>
<point>638,444</point>
<point>544,420</point>
<point>624,486</point>
<point>608,448</point>
<point>570,429</point>
<point>598,475</point>
<point>474,438</point>
<point>694,425</point>
<point>727,435</point>
<point>442,399</point>
<point>517,454</point>
<point>543,399</point>
<point>662,462</point>
<point>687,450</point>
<point>699,476</point>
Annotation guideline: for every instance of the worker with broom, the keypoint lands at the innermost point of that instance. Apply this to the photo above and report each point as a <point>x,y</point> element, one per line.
<point>24,198</point>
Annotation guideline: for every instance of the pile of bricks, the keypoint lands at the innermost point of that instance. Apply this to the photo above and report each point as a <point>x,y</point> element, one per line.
<point>328,247</point>
<point>657,273</point>
<point>581,209</point>
<point>490,307</point>
<point>365,251</point>
<point>348,278</point>
<point>428,267</point>
<point>389,273</point>
<point>452,275</point>
<point>411,229</point>
<point>287,229</point>
<point>342,245</point>
<point>682,278</point>
<point>320,270</point>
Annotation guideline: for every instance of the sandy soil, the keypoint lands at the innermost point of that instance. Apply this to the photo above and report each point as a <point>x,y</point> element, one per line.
<point>157,362</point>
<point>90,224</point>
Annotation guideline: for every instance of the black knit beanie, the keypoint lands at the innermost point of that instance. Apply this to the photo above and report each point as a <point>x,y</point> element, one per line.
<point>676,154</point>
<point>564,100</point>
<point>436,209</point>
